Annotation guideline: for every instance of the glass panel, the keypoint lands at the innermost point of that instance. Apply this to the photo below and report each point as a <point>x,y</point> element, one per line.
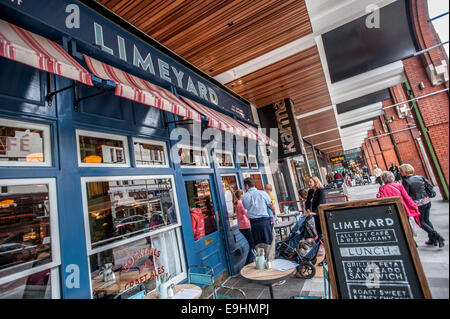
<point>224,159</point>
<point>190,157</point>
<point>201,208</point>
<point>230,185</point>
<point>253,162</point>
<point>35,286</point>
<point>21,144</point>
<point>149,154</point>
<point>258,180</point>
<point>101,150</point>
<point>120,209</point>
<point>242,158</point>
<point>24,228</point>
<point>117,269</point>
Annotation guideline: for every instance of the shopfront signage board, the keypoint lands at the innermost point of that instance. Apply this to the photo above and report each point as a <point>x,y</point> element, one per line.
<point>280,115</point>
<point>370,251</point>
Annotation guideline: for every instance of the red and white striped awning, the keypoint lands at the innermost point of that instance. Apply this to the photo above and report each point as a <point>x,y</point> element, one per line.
<point>34,50</point>
<point>139,90</point>
<point>228,124</point>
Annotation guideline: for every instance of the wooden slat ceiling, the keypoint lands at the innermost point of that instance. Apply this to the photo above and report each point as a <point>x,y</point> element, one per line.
<point>199,32</point>
<point>319,122</point>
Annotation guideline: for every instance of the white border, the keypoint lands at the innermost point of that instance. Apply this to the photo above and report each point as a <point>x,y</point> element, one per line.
<point>246,157</point>
<point>114,244</point>
<point>224,152</point>
<point>194,148</point>
<point>45,140</point>
<point>256,162</point>
<point>54,231</point>
<point>151,142</point>
<point>122,138</point>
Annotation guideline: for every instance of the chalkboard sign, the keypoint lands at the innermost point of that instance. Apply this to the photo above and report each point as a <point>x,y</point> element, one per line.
<point>370,251</point>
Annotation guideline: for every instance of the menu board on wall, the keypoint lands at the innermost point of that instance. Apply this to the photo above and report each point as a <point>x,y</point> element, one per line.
<point>371,252</point>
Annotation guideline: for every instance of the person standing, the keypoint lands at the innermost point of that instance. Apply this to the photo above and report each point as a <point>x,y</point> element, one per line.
<point>256,203</point>
<point>268,190</point>
<point>377,173</point>
<point>244,224</point>
<point>394,170</point>
<point>416,186</point>
<point>316,196</point>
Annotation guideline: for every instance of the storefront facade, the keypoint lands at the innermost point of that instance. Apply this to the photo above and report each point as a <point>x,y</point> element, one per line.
<point>97,195</point>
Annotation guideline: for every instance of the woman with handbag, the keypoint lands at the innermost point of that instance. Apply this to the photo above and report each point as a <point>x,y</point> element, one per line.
<point>392,189</point>
<point>421,190</point>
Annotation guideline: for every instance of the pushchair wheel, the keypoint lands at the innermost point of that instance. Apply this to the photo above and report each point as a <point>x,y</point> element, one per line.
<point>306,269</point>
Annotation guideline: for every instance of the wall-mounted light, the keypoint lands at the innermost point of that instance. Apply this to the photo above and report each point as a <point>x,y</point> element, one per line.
<point>421,85</point>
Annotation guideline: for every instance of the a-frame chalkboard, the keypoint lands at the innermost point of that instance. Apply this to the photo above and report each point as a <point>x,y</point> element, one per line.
<point>370,251</point>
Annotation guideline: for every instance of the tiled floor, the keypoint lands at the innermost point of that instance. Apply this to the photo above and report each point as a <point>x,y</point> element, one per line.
<point>435,261</point>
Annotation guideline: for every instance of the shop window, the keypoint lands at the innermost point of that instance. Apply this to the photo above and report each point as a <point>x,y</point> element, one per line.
<point>148,153</point>
<point>193,157</point>
<point>258,180</point>
<point>253,161</point>
<point>243,162</point>
<point>118,209</point>
<point>99,149</point>
<point>230,186</point>
<point>24,144</point>
<point>29,239</point>
<point>201,207</point>
<point>224,159</point>
<point>139,262</point>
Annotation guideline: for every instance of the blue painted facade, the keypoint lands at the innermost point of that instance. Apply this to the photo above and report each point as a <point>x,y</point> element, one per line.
<point>23,93</point>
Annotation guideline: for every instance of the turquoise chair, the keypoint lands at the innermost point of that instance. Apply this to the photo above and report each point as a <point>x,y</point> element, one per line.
<point>140,293</point>
<point>225,292</point>
<point>202,276</point>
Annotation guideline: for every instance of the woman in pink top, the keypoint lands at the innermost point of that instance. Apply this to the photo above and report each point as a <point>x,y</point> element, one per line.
<point>391,189</point>
<point>244,224</point>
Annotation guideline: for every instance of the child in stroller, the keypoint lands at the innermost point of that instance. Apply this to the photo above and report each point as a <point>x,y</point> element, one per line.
<point>298,248</point>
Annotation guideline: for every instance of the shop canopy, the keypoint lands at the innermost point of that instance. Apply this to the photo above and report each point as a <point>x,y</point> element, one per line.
<point>228,124</point>
<point>139,90</point>
<point>31,49</point>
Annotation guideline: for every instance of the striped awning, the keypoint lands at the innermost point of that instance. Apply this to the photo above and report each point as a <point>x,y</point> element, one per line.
<point>228,124</point>
<point>34,50</point>
<point>139,90</point>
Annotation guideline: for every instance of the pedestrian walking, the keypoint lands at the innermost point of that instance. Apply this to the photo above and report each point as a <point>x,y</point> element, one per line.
<point>244,223</point>
<point>377,173</point>
<point>420,190</point>
<point>256,202</point>
<point>316,196</point>
<point>392,189</point>
<point>394,170</point>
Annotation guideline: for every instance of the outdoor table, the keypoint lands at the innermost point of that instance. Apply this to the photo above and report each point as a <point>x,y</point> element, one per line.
<point>287,216</point>
<point>265,277</point>
<point>154,294</point>
<point>283,226</point>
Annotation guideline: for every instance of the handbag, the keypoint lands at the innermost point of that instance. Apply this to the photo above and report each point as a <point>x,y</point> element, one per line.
<point>429,189</point>
<point>412,223</point>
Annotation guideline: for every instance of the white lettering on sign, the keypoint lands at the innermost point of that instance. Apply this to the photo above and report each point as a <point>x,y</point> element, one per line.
<point>23,144</point>
<point>373,251</point>
<point>364,223</point>
<point>285,127</point>
<point>366,236</point>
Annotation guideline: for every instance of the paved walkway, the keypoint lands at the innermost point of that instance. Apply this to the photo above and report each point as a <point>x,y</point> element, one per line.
<point>435,261</point>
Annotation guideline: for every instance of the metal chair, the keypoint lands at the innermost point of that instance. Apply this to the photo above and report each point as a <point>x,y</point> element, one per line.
<point>226,292</point>
<point>202,278</point>
<point>142,292</point>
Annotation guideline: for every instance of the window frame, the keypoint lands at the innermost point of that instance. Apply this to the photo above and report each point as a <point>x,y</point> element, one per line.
<point>216,152</point>
<point>194,148</point>
<point>54,235</point>
<point>246,158</point>
<point>85,180</point>
<point>46,140</point>
<point>256,162</point>
<point>95,134</point>
<point>152,142</point>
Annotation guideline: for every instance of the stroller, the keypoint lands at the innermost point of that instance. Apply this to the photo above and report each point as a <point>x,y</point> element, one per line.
<point>366,179</point>
<point>296,249</point>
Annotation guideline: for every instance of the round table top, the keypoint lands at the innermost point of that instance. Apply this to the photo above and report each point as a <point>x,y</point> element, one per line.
<point>154,294</point>
<point>288,214</point>
<point>265,275</point>
<point>284,224</point>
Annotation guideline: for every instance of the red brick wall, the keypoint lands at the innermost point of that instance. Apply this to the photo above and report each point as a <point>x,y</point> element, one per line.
<point>377,151</point>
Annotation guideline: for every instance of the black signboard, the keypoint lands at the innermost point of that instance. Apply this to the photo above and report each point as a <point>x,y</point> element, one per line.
<point>370,251</point>
<point>280,115</point>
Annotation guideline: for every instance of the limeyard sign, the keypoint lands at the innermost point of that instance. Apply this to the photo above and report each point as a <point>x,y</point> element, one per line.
<point>280,115</point>
<point>93,32</point>
<point>371,252</point>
